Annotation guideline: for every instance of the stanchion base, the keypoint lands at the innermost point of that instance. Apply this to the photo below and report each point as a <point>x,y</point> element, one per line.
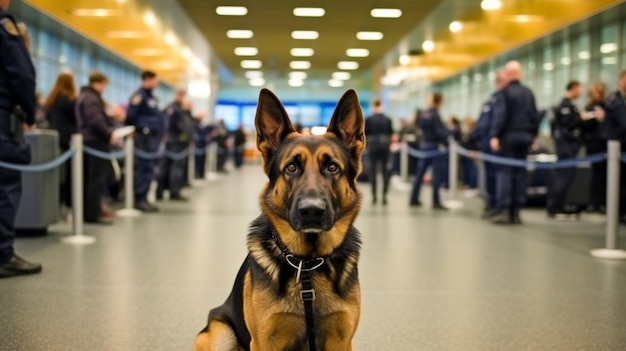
<point>609,254</point>
<point>453,204</point>
<point>78,240</point>
<point>212,176</point>
<point>128,212</point>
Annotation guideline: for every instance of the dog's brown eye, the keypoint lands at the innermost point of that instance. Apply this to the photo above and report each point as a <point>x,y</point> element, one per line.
<point>291,168</point>
<point>333,168</point>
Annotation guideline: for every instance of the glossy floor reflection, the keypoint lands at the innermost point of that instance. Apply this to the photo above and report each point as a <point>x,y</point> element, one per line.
<point>430,281</point>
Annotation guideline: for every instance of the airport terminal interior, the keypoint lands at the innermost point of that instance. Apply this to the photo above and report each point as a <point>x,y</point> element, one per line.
<point>146,278</point>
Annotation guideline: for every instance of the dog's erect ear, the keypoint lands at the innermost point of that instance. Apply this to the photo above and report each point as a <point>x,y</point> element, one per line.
<point>347,122</point>
<point>272,123</point>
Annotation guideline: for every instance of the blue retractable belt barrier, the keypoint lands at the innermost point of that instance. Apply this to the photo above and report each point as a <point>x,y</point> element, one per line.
<point>147,155</point>
<point>200,152</point>
<point>176,156</point>
<point>118,155</point>
<point>40,167</point>
<point>426,154</point>
<point>567,163</point>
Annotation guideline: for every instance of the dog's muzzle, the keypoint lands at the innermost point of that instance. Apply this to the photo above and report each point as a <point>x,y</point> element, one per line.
<point>311,215</point>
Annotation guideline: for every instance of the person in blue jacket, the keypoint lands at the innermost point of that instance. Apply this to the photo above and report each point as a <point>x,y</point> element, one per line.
<point>17,90</point>
<point>615,124</point>
<point>434,133</point>
<point>143,113</point>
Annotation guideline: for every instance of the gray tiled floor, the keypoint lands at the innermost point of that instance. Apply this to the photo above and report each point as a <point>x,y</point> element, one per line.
<point>430,281</point>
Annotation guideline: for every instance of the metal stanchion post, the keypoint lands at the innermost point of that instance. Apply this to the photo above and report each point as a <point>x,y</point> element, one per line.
<point>191,165</point>
<point>404,161</point>
<point>77,237</point>
<point>453,175</point>
<point>212,159</point>
<point>612,205</point>
<point>129,192</point>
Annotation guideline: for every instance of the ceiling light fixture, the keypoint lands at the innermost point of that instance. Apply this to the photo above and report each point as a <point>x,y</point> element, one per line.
<point>231,10</point>
<point>348,65</point>
<point>428,45</point>
<point>386,13</point>
<point>341,75</point>
<point>170,38</point>
<point>257,82</point>
<point>296,82</point>
<point>491,5</point>
<point>300,64</point>
<point>149,18</point>
<point>335,83</point>
<point>127,34</point>
<point>239,34</point>
<point>357,52</point>
<point>548,66</point>
<point>608,48</point>
<point>251,64</point>
<point>246,51</point>
<point>365,35</point>
<point>96,12</point>
<point>305,34</point>
<point>584,55</point>
<point>309,12</point>
<point>565,61</point>
<point>297,75</point>
<point>302,52</point>
<point>149,52</point>
<point>455,26</point>
<point>253,74</point>
<point>186,53</point>
<point>405,59</point>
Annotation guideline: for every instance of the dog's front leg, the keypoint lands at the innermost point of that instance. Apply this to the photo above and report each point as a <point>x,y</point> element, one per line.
<point>280,332</point>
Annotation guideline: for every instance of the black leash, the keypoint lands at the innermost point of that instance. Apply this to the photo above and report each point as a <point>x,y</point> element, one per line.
<point>304,269</point>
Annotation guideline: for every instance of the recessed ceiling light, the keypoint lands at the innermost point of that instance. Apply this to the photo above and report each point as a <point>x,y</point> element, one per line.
<point>428,45</point>
<point>186,52</point>
<point>548,66</point>
<point>348,65</point>
<point>584,55</point>
<point>246,51</point>
<point>127,34</point>
<point>231,10</point>
<point>490,5</point>
<point>297,75</point>
<point>608,48</point>
<point>357,52</point>
<point>239,34</point>
<point>302,52</point>
<point>341,75</point>
<point>365,35</point>
<point>149,52</point>
<point>566,61</point>
<point>170,38</point>
<point>257,82</point>
<point>309,12</point>
<point>296,82</point>
<point>386,13</point>
<point>96,12</point>
<point>335,83</point>
<point>149,18</point>
<point>300,64</point>
<point>251,64</point>
<point>455,26</point>
<point>253,74</point>
<point>405,59</point>
<point>305,34</point>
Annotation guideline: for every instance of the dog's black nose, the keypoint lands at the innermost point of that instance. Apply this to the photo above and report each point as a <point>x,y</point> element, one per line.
<point>311,209</point>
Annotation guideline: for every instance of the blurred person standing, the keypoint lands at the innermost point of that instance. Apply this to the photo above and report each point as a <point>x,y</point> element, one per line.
<point>17,89</point>
<point>594,136</point>
<point>177,140</point>
<point>615,123</point>
<point>201,141</point>
<point>60,114</point>
<point>94,125</point>
<point>468,165</point>
<point>568,139</point>
<point>481,135</point>
<point>434,133</point>
<point>240,137</point>
<point>515,125</point>
<point>378,132</point>
<point>220,136</point>
<point>143,113</point>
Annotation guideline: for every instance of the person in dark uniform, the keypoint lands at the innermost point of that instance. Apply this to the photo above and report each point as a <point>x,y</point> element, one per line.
<point>93,124</point>
<point>615,123</point>
<point>17,89</point>
<point>201,141</point>
<point>177,140</point>
<point>568,139</point>
<point>481,135</point>
<point>515,125</point>
<point>220,135</point>
<point>434,133</point>
<point>594,136</point>
<point>240,137</point>
<point>378,132</point>
<point>143,113</point>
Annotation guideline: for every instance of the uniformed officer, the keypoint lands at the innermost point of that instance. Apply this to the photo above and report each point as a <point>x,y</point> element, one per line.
<point>481,135</point>
<point>378,131</point>
<point>177,140</point>
<point>144,114</point>
<point>567,134</point>
<point>594,134</point>
<point>615,121</point>
<point>434,134</point>
<point>513,129</point>
<point>17,89</point>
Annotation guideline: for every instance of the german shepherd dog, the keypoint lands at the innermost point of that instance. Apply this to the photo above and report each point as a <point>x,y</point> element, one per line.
<point>306,227</point>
